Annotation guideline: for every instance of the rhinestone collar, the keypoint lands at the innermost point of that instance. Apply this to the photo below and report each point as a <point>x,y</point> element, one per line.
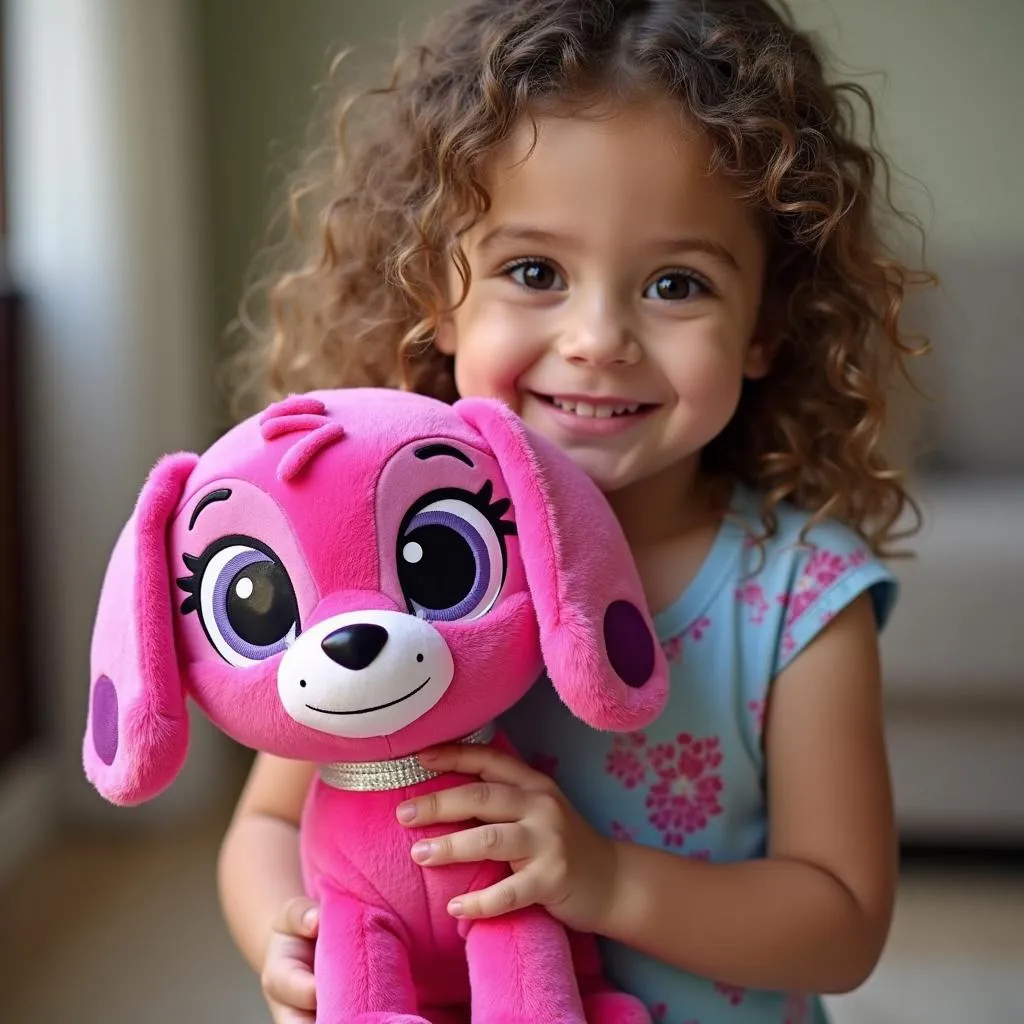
<point>379,776</point>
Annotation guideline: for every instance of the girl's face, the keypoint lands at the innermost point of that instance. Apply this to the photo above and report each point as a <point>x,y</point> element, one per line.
<point>615,292</point>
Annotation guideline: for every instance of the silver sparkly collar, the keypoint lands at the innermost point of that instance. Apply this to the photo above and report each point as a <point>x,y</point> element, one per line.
<point>379,776</point>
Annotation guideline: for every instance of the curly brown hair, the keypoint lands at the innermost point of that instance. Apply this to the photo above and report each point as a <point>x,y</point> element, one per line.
<point>377,215</point>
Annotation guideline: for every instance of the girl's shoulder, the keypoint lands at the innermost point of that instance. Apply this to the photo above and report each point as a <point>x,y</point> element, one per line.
<point>809,571</point>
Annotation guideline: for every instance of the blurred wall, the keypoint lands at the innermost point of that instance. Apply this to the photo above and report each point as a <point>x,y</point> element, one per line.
<point>947,80</point>
<point>107,240</point>
<point>262,63</point>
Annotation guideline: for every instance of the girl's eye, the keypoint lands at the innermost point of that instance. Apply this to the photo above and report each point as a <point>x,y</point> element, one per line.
<point>676,286</point>
<point>247,604</point>
<point>536,275</point>
<point>451,561</point>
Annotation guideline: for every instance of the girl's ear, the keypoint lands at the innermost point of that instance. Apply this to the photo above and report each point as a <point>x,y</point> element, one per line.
<point>758,360</point>
<point>137,729</point>
<point>455,287</point>
<point>596,635</point>
<point>766,340</point>
<point>444,336</point>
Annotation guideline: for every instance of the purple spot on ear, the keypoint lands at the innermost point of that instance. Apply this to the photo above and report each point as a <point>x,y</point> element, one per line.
<point>104,719</point>
<point>629,643</point>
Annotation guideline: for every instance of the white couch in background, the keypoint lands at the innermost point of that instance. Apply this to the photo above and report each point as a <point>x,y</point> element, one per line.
<point>954,666</point>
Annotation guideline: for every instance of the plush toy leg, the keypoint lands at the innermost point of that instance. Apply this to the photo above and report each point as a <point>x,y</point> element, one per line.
<point>520,970</point>
<point>602,1003</point>
<point>361,966</point>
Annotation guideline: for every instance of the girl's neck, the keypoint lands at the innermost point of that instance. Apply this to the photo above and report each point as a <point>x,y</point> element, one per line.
<point>664,506</point>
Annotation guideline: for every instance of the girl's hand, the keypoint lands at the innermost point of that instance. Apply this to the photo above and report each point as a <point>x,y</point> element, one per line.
<point>287,975</point>
<point>557,859</point>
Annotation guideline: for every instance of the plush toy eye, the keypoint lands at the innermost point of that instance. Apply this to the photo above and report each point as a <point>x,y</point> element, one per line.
<point>451,558</point>
<point>246,601</point>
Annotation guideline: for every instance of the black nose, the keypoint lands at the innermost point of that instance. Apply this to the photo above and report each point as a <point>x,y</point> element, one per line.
<point>355,647</point>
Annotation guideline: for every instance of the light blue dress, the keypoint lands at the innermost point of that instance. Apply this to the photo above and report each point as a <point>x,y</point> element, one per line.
<point>694,782</point>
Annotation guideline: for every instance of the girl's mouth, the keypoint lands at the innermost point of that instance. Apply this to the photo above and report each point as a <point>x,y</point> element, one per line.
<point>576,416</point>
<point>595,408</point>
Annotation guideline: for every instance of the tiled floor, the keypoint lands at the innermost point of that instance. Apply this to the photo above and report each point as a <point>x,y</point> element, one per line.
<point>126,930</point>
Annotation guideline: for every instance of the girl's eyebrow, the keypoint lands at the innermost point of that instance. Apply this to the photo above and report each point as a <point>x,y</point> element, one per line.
<point>707,246</point>
<point>540,236</point>
<point>525,233</point>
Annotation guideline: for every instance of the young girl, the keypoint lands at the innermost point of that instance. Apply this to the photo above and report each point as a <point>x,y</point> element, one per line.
<point>647,226</point>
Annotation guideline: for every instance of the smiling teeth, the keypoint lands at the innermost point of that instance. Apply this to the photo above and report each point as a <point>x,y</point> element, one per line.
<point>587,411</point>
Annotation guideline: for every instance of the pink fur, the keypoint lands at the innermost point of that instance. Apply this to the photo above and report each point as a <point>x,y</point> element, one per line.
<point>275,579</point>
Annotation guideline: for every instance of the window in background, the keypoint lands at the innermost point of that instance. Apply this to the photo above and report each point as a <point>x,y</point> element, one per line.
<point>16,712</point>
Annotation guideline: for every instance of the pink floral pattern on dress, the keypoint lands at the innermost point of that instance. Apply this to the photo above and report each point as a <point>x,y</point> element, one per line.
<point>823,569</point>
<point>623,832</point>
<point>627,759</point>
<point>752,595</point>
<point>685,796</point>
<point>788,645</point>
<point>733,994</point>
<point>798,1009</point>
<point>757,709</point>
<point>673,647</point>
<point>696,629</point>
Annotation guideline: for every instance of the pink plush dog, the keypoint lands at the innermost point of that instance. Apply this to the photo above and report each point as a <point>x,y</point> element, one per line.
<point>347,579</point>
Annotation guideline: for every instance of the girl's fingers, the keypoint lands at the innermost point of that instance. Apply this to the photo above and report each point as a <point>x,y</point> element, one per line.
<point>287,977</point>
<point>287,1015</point>
<point>299,916</point>
<point>477,801</point>
<point>490,764</point>
<point>501,842</point>
<point>512,893</point>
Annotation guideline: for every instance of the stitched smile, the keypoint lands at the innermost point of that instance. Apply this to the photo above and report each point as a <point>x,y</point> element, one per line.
<point>378,707</point>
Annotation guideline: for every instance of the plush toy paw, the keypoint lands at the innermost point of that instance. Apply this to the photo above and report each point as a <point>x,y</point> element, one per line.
<point>614,1008</point>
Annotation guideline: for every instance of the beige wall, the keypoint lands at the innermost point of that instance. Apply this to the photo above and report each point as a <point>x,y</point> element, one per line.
<point>263,60</point>
<point>947,78</point>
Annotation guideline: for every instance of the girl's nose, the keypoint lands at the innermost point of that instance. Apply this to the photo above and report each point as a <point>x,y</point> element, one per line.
<point>599,337</point>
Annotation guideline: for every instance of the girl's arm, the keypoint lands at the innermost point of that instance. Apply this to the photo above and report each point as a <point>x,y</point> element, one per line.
<point>259,871</point>
<point>811,917</point>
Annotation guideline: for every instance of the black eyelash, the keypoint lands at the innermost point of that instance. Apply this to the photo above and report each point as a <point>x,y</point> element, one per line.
<point>690,275</point>
<point>189,583</point>
<point>494,510</point>
<point>525,261</point>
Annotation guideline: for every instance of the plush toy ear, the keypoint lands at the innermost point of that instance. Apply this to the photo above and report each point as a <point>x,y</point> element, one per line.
<point>596,635</point>
<point>137,730</point>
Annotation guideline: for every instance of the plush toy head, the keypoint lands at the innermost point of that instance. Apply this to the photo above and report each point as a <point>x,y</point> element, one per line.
<point>355,575</point>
